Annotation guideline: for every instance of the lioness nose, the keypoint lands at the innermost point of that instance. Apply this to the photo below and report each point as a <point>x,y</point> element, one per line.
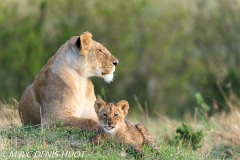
<point>115,63</point>
<point>109,123</point>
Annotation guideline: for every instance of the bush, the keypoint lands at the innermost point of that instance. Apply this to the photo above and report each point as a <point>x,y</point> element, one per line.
<point>188,137</point>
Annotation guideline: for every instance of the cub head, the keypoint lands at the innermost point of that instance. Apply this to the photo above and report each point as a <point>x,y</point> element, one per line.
<point>95,59</point>
<point>111,115</point>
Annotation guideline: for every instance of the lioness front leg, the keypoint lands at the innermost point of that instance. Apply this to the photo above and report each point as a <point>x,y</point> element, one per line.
<point>81,123</point>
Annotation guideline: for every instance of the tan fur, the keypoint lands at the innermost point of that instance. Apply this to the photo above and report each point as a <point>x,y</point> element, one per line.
<point>111,117</point>
<point>63,90</point>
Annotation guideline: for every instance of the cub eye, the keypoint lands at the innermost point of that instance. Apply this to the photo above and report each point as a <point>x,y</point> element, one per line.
<point>104,114</point>
<point>101,50</point>
<point>115,115</point>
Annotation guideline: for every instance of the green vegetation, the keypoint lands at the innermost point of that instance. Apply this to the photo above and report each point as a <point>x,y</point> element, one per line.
<point>30,142</point>
<point>203,108</point>
<point>168,49</point>
<point>188,137</point>
<point>175,140</point>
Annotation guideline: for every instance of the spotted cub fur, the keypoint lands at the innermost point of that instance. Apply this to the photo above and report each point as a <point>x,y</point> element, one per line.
<point>113,126</point>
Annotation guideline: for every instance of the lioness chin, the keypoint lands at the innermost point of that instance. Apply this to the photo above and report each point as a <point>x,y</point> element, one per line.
<point>63,90</point>
<point>113,126</point>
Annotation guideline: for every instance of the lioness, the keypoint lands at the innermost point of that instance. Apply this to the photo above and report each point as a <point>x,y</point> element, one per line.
<point>113,126</point>
<point>63,90</point>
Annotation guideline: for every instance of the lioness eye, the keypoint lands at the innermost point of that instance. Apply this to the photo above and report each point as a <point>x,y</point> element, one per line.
<point>101,50</point>
<point>115,115</point>
<point>104,114</point>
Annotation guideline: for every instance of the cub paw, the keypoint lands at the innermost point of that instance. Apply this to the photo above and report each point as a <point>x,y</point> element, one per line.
<point>155,148</point>
<point>137,149</point>
<point>96,140</point>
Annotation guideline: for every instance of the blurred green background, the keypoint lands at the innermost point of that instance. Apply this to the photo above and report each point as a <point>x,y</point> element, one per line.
<point>168,50</point>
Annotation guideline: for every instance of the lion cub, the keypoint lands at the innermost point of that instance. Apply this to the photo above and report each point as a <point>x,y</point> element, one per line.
<point>112,126</point>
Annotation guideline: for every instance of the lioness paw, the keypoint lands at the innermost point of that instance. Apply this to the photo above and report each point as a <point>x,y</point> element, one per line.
<point>92,125</point>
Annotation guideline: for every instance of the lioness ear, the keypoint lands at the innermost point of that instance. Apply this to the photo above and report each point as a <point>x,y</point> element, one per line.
<point>86,42</point>
<point>98,104</point>
<point>124,105</point>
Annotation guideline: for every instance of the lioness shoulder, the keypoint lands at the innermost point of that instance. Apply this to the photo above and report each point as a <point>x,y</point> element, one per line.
<point>112,125</point>
<point>63,89</point>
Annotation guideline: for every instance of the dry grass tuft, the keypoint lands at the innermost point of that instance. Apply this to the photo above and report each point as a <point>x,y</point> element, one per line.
<point>229,127</point>
<point>9,113</point>
<point>223,139</point>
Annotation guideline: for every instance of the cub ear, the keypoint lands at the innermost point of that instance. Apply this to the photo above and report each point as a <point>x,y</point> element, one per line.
<point>98,104</point>
<point>124,105</point>
<point>85,42</point>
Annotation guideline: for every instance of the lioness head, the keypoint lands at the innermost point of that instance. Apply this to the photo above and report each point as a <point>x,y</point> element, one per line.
<point>111,115</point>
<point>95,59</point>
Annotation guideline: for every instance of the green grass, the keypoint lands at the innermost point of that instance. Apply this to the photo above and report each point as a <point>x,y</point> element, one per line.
<point>221,139</point>
<point>70,143</point>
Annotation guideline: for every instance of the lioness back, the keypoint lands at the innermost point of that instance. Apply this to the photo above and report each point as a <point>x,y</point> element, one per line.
<point>112,125</point>
<point>63,90</point>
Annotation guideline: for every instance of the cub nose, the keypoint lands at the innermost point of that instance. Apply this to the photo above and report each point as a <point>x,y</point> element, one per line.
<point>115,63</point>
<point>109,123</point>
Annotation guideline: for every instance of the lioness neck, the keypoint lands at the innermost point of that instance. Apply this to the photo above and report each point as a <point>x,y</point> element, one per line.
<point>68,57</point>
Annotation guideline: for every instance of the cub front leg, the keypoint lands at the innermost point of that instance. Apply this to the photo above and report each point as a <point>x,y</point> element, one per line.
<point>97,139</point>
